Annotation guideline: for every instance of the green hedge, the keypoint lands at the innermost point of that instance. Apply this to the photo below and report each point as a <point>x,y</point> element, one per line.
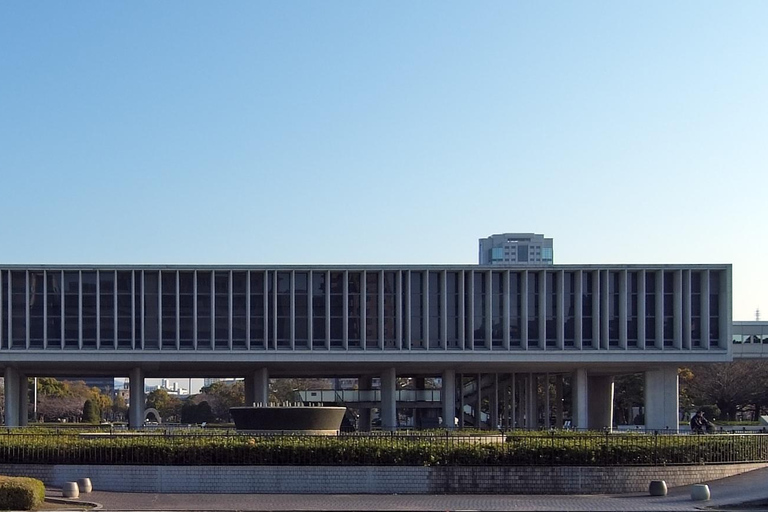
<point>413,450</point>
<point>19,493</point>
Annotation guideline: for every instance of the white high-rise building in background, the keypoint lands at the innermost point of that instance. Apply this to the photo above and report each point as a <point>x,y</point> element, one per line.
<point>516,249</point>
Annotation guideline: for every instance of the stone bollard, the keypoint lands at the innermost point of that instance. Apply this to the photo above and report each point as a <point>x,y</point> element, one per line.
<point>657,488</point>
<point>85,485</point>
<point>70,490</point>
<point>700,492</point>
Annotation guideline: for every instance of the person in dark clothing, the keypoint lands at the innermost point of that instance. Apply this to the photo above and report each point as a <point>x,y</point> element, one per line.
<point>700,424</point>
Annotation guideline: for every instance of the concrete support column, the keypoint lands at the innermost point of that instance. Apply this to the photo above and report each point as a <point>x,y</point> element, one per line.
<point>137,398</point>
<point>521,402</point>
<point>493,403</point>
<point>257,387</point>
<point>705,309</point>
<point>662,399</point>
<point>364,413</point>
<point>579,399</point>
<point>23,400</point>
<point>513,401</point>
<point>531,401</point>
<point>448,397</point>
<point>479,402</point>
<point>559,401</point>
<point>505,397</point>
<point>547,405</point>
<point>12,381</point>
<point>388,399</point>
<point>460,378</point>
<point>600,402</point>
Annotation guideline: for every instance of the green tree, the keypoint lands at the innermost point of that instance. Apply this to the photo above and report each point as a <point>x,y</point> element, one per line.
<point>197,413</point>
<point>284,390</point>
<point>221,396</point>
<point>49,386</point>
<point>101,400</point>
<point>167,405</point>
<point>119,407</point>
<point>628,393</point>
<point>91,413</point>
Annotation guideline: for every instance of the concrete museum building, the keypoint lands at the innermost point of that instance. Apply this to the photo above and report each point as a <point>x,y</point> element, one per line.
<point>490,333</point>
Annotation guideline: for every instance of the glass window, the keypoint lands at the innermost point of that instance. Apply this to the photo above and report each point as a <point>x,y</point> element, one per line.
<point>613,308</point>
<point>90,299</point>
<point>125,301</point>
<point>416,320</point>
<point>569,289</point>
<point>650,307</point>
<point>168,281</point>
<point>390,310</point>
<point>372,310</point>
<point>221,307</point>
<point>151,310</point>
<point>480,293</point>
<point>515,312</point>
<point>18,335</point>
<point>301,307</point>
<point>239,316</point>
<point>435,309</point>
<point>319,335</point>
<point>714,308</point>
<point>258,339</point>
<point>107,309</point>
<point>337,310</point>
<point>354,309</point>
<point>36,309</point>
<point>587,295</point>
<point>186,310</point>
<point>533,310</point>
<point>669,308</point>
<point>4,309</point>
<point>71,310</point>
<point>204,313</point>
<point>632,308</point>
<point>696,309</point>
<point>551,309</point>
<point>55,312</point>
<point>497,314</point>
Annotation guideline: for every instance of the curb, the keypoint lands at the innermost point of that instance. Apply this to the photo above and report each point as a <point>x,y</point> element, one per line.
<point>92,505</point>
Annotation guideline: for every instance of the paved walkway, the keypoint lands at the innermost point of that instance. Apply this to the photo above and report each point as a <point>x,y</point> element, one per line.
<point>726,493</point>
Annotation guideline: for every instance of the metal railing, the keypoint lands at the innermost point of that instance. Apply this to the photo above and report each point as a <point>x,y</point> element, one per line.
<point>229,448</point>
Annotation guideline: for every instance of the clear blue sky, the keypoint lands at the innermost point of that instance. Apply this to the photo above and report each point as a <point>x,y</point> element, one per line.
<point>385,132</point>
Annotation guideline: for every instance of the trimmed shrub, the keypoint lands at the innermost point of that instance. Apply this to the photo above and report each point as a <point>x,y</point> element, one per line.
<point>195,448</point>
<point>91,412</point>
<point>20,493</point>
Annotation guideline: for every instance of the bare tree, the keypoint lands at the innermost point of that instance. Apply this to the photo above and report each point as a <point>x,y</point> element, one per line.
<point>733,387</point>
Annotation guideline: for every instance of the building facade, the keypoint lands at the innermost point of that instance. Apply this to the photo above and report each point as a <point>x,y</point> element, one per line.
<point>516,249</point>
<point>588,322</point>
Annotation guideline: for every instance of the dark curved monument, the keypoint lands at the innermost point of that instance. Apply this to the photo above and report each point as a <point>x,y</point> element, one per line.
<point>288,418</point>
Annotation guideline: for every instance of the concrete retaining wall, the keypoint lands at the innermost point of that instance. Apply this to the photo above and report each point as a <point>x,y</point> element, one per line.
<point>376,479</point>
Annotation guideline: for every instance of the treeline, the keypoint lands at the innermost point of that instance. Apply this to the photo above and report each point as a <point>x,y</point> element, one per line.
<point>725,391</point>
